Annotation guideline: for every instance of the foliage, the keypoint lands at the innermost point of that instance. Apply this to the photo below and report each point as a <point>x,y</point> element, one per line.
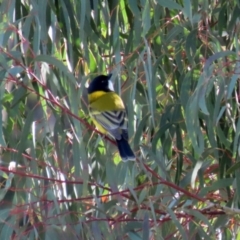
<point>176,66</point>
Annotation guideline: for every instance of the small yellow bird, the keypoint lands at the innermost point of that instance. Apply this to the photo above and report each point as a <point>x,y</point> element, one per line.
<point>109,114</point>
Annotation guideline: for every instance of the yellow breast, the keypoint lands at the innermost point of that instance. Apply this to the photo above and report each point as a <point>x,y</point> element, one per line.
<point>105,101</point>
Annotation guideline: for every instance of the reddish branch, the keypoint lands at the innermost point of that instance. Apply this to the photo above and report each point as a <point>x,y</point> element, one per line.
<point>124,193</point>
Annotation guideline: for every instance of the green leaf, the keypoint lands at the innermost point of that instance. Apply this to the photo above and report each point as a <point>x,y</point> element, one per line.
<point>170,4</point>
<point>134,7</point>
<point>216,186</point>
<point>145,227</point>
<point>191,45</point>
<point>177,223</point>
<point>202,218</point>
<point>187,9</point>
<point>233,168</point>
<point>56,63</point>
<point>146,16</point>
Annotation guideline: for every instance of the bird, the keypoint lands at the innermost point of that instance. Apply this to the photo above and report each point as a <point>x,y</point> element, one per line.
<point>109,114</point>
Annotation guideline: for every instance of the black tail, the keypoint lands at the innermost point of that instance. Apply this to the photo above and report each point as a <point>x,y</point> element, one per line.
<point>125,150</point>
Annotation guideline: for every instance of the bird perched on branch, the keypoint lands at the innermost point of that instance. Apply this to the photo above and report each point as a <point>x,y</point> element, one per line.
<point>109,114</point>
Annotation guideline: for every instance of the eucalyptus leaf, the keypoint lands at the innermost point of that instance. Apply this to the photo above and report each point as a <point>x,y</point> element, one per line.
<point>176,67</point>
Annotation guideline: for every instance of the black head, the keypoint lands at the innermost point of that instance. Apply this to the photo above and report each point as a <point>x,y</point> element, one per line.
<point>101,83</point>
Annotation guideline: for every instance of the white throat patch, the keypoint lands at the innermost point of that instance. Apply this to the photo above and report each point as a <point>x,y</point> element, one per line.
<point>110,85</point>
